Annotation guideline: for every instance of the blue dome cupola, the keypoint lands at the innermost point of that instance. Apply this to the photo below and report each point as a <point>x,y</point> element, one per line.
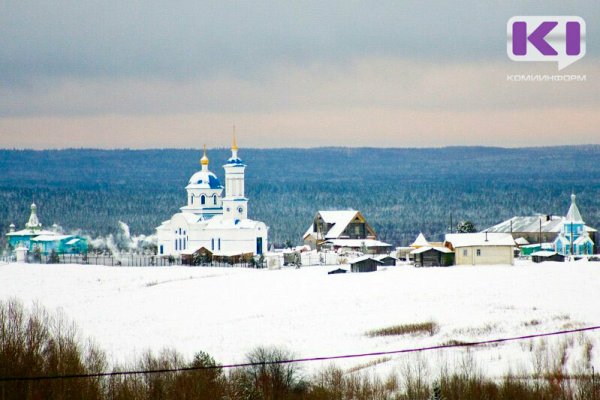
<point>204,192</point>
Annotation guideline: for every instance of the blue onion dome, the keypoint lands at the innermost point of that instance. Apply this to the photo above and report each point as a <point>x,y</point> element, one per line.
<point>206,180</point>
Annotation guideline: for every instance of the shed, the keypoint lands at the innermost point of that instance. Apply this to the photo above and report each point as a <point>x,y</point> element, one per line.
<point>428,256</point>
<point>364,264</point>
<point>337,271</point>
<point>387,259</point>
<point>545,255</point>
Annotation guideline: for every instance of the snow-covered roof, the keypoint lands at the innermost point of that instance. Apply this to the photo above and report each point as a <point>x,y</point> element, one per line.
<point>205,180</point>
<point>338,218</point>
<point>30,232</point>
<point>544,253</point>
<point>219,222</point>
<point>582,239</point>
<point>521,241</point>
<point>480,239</point>
<point>427,248</point>
<point>573,215</point>
<point>357,243</point>
<point>50,238</point>
<point>363,258</point>
<point>420,241</point>
<point>73,241</point>
<point>384,256</point>
<point>549,223</point>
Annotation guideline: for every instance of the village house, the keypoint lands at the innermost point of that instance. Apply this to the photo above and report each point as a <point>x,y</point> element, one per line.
<point>540,232</point>
<point>343,230</point>
<point>481,248</point>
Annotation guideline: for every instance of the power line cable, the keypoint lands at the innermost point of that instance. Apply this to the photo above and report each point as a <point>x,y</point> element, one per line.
<point>297,360</point>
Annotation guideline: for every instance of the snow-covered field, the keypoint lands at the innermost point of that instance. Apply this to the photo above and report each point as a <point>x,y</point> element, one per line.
<point>229,311</point>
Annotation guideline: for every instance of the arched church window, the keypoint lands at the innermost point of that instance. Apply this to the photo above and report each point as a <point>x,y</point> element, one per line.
<point>215,199</point>
<point>202,199</point>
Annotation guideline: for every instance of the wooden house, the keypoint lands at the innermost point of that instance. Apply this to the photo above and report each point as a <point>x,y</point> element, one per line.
<point>428,256</point>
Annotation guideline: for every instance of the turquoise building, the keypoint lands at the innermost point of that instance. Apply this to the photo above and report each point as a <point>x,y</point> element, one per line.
<point>35,237</point>
<point>573,239</point>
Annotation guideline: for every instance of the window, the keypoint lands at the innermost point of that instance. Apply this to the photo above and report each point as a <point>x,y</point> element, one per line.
<point>162,250</point>
<point>478,252</point>
<point>465,252</point>
<point>215,199</point>
<point>219,243</point>
<point>202,199</point>
<point>176,245</point>
<point>212,244</point>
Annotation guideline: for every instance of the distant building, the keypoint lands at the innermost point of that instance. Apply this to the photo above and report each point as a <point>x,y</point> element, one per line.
<point>545,255</point>
<point>209,220</point>
<point>343,230</point>
<point>427,256</point>
<point>481,248</point>
<point>364,264</point>
<point>573,239</point>
<point>35,237</point>
<point>537,229</point>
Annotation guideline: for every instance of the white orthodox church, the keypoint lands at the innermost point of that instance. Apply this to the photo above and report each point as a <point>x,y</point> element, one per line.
<point>212,221</point>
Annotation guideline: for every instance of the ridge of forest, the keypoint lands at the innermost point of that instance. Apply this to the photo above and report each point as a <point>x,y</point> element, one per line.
<point>401,191</point>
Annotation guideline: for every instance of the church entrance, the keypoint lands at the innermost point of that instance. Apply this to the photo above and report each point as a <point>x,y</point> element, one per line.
<point>259,245</point>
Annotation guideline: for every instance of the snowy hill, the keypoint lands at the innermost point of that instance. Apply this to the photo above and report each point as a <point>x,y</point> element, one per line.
<point>229,311</point>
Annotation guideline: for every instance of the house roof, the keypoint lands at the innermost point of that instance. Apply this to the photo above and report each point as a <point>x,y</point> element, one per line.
<point>30,232</point>
<point>338,218</point>
<point>521,241</point>
<point>427,248</point>
<point>357,243</point>
<point>573,215</point>
<point>480,239</point>
<point>382,257</point>
<point>420,241</point>
<point>544,253</point>
<point>364,258</point>
<point>50,238</point>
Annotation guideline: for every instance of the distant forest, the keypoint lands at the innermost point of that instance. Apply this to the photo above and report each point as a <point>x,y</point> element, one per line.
<point>401,192</point>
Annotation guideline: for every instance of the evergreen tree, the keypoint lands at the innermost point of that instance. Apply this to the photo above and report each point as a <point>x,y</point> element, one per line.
<point>466,227</point>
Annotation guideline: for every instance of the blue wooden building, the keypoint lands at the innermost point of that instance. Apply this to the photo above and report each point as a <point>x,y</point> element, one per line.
<point>573,239</point>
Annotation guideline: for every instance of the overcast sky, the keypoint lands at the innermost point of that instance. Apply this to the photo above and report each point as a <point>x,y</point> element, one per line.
<point>115,74</point>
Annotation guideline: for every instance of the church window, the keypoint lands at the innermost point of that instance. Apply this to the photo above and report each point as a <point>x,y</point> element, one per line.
<point>202,199</point>
<point>219,243</point>
<point>240,210</point>
<point>162,249</point>
<point>184,244</point>
<point>212,244</point>
<point>176,248</point>
<point>192,200</point>
<point>215,199</point>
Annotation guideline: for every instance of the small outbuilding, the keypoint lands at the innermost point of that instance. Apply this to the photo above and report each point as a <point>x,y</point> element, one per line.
<point>337,271</point>
<point>545,255</point>
<point>428,256</point>
<point>387,259</point>
<point>364,264</point>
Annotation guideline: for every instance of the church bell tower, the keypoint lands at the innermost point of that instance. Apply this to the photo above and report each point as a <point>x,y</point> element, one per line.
<point>235,204</point>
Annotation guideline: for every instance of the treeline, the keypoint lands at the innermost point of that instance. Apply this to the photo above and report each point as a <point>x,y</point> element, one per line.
<point>400,191</point>
<point>35,345</point>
